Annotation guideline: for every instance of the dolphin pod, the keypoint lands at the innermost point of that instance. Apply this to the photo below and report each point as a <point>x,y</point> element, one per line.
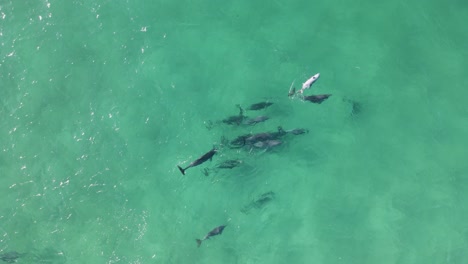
<point>262,140</point>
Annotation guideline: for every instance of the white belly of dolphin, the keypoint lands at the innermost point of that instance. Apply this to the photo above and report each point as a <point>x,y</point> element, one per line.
<point>309,82</point>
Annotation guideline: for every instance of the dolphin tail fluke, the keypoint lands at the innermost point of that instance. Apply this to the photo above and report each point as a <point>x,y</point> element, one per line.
<point>199,242</point>
<point>181,170</point>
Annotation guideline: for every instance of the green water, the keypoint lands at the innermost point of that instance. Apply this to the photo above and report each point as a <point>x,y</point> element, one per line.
<point>100,100</point>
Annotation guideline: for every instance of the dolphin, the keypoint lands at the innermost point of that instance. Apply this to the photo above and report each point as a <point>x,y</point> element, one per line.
<point>239,141</point>
<point>318,99</point>
<point>207,156</point>
<point>255,120</point>
<point>259,106</point>
<point>235,120</point>
<point>259,202</point>
<point>227,164</point>
<point>297,131</point>
<point>260,137</point>
<point>251,139</point>
<point>264,139</point>
<point>11,256</point>
<point>267,143</point>
<point>356,106</point>
<point>217,231</point>
<point>309,82</point>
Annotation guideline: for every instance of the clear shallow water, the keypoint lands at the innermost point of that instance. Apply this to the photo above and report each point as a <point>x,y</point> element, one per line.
<point>101,100</point>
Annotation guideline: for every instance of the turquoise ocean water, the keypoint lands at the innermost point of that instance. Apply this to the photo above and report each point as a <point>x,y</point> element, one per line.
<point>100,100</point>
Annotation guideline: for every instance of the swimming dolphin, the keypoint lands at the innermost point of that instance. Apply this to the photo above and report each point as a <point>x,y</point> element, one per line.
<point>251,139</point>
<point>297,131</point>
<point>227,164</point>
<point>259,202</point>
<point>205,157</point>
<point>309,82</point>
<point>356,106</point>
<point>235,120</point>
<point>239,141</point>
<point>255,120</point>
<point>260,137</point>
<point>11,256</point>
<point>264,139</point>
<point>318,99</point>
<point>259,106</point>
<point>267,144</point>
<point>217,231</point>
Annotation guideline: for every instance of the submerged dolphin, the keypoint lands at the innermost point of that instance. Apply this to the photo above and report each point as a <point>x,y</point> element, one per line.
<point>297,131</point>
<point>227,164</point>
<point>255,120</point>
<point>264,139</point>
<point>267,144</point>
<point>356,106</point>
<point>217,231</point>
<point>11,256</point>
<point>259,202</point>
<point>205,157</point>
<point>235,120</point>
<point>318,99</point>
<point>259,106</point>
